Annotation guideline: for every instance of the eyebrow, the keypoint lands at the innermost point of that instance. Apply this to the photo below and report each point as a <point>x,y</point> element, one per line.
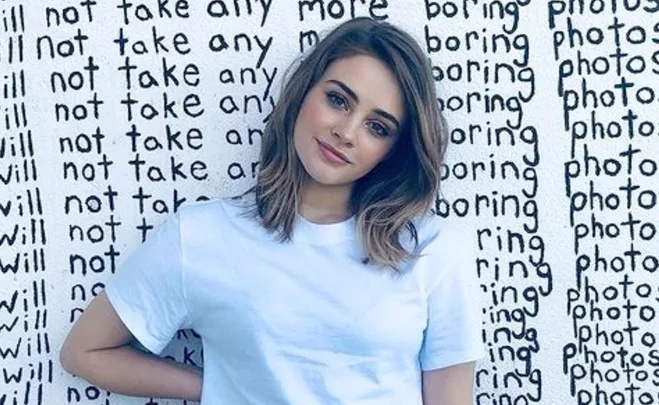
<point>354,96</point>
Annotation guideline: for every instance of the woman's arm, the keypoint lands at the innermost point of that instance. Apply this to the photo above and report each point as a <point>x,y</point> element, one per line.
<point>449,386</point>
<point>97,350</point>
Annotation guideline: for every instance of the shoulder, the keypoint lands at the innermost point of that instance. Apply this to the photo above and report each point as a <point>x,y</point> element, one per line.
<point>207,212</point>
<point>200,210</point>
<point>446,250</point>
<point>217,214</point>
<point>440,236</point>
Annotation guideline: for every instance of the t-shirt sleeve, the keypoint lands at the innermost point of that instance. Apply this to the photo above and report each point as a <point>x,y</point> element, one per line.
<point>454,330</point>
<point>148,291</point>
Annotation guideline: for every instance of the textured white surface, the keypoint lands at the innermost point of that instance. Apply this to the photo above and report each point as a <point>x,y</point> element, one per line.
<point>561,352</point>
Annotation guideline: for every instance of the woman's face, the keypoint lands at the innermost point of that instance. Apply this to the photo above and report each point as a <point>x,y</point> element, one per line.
<point>349,120</point>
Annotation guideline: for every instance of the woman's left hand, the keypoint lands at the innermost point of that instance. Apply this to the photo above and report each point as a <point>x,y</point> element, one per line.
<point>452,385</point>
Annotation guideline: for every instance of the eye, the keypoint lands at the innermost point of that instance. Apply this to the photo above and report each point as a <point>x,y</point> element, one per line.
<point>337,101</point>
<point>378,129</point>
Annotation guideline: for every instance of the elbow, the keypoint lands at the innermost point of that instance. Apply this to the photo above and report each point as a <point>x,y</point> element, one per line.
<point>67,358</point>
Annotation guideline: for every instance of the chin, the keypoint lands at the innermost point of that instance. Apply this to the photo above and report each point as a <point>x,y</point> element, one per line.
<point>329,180</point>
<point>321,176</point>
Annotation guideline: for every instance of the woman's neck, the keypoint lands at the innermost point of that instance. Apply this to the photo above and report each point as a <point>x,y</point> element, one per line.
<point>323,204</point>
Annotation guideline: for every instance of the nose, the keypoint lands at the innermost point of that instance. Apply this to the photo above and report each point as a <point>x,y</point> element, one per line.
<point>346,130</point>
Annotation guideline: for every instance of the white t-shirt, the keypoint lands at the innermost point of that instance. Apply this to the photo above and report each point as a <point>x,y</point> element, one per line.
<point>303,322</point>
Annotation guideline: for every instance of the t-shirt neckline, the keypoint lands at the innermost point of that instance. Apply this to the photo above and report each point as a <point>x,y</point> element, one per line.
<point>306,231</point>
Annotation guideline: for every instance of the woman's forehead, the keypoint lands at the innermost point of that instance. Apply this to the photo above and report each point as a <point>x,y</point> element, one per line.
<point>371,80</point>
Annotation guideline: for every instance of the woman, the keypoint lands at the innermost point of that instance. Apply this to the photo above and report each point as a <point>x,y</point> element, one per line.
<point>327,283</point>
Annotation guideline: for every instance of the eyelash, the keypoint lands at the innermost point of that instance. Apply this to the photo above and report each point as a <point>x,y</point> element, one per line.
<point>333,97</point>
<point>337,101</point>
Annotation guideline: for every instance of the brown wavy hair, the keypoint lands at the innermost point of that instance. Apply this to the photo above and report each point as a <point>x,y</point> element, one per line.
<point>398,189</point>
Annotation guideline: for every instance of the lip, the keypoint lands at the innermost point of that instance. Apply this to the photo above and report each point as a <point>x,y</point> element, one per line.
<point>331,154</point>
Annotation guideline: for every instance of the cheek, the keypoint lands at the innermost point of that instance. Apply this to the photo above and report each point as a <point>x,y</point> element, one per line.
<point>314,114</point>
<point>377,150</point>
<point>307,125</point>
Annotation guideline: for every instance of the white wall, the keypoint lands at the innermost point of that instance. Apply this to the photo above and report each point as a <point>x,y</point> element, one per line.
<point>571,315</point>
